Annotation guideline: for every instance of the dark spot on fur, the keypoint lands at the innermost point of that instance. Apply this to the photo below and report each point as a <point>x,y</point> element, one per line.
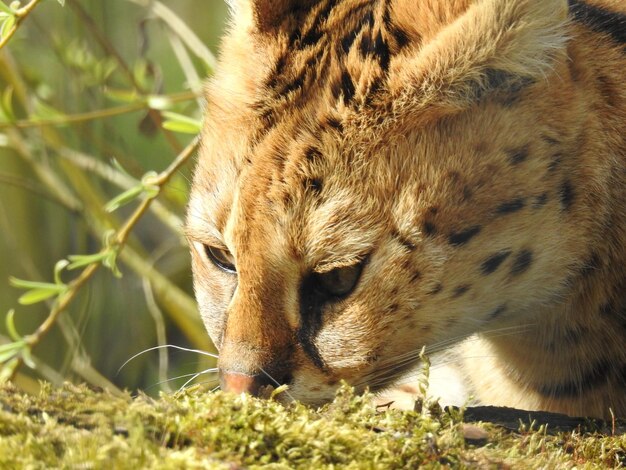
<point>435,290</point>
<point>549,140</point>
<point>347,87</point>
<point>591,265</point>
<point>518,155</point>
<point>573,336</point>
<point>511,206</point>
<point>417,275</point>
<point>467,193</point>
<point>566,195</point>
<point>334,123</point>
<point>372,91</point>
<point>522,262</point>
<point>400,37</point>
<point>394,308</point>
<point>429,229</point>
<point>555,161</point>
<point>314,184</point>
<point>498,311</point>
<point>506,84</point>
<point>348,40</point>
<point>405,242</point>
<point>493,262</point>
<point>312,154</point>
<point>608,309</point>
<point>279,66</point>
<point>311,37</point>
<point>366,45</point>
<point>600,20</point>
<point>381,50</point>
<point>294,85</point>
<point>540,201</point>
<point>287,199</point>
<point>464,236</point>
<point>460,290</point>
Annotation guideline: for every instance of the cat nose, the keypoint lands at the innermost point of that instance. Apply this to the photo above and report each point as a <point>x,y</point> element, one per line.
<point>237,382</point>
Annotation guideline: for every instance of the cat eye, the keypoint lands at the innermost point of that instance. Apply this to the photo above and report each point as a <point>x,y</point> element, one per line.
<point>339,282</point>
<point>221,257</point>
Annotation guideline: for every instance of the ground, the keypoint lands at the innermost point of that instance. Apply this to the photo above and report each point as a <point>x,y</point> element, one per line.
<point>76,427</point>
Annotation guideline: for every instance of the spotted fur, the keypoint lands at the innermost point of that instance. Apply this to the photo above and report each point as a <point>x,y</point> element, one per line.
<point>467,156</point>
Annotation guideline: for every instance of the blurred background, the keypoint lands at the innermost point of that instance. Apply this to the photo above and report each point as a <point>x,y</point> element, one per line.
<point>83,87</point>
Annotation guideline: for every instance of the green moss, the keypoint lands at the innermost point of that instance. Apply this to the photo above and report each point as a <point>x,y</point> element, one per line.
<point>75,426</point>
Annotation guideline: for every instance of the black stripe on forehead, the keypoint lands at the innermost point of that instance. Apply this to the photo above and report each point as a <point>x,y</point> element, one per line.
<point>599,19</point>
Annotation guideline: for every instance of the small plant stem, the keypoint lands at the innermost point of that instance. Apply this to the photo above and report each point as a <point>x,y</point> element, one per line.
<point>20,15</point>
<point>160,180</point>
<point>62,303</point>
<point>121,238</point>
<point>92,115</point>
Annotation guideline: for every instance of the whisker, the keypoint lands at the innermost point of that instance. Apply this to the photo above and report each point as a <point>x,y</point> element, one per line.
<point>197,351</point>
<point>183,386</point>
<point>387,370</point>
<point>206,371</point>
<point>277,384</point>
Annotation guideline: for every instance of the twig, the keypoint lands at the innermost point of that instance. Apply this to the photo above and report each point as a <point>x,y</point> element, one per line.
<point>120,239</point>
<point>20,15</point>
<point>93,115</point>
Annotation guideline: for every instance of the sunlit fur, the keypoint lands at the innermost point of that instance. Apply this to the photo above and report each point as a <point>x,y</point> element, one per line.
<point>471,153</point>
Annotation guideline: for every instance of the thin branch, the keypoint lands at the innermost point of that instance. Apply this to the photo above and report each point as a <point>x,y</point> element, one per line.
<point>121,238</point>
<point>20,15</point>
<point>93,115</point>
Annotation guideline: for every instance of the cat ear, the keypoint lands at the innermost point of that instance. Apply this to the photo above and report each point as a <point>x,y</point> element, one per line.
<point>493,47</point>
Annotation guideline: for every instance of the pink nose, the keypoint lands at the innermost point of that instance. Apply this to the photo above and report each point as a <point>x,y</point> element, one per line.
<point>238,383</point>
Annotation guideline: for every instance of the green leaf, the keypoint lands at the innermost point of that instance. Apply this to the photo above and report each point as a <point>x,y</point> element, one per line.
<point>58,267</point>
<point>178,123</point>
<point>10,324</point>
<point>27,357</point>
<point>38,295</point>
<point>61,2</point>
<point>111,262</point>
<point>78,261</point>
<point>122,199</point>
<point>10,349</point>
<point>6,9</point>
<point>23,284</point>
<point>37,291</point>
<point>6,24</point>
<point>7,101</point>
<point>8,369</point>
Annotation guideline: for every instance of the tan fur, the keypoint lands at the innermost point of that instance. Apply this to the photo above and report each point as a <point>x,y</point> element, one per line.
<point>470,153</point>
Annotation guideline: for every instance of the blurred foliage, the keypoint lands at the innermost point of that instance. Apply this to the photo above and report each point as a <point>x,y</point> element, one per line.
<point>96,100</point>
